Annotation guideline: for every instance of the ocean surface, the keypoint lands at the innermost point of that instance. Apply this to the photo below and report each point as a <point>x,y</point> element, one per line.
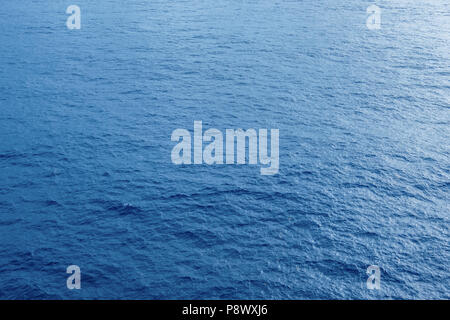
<point>86,176</point>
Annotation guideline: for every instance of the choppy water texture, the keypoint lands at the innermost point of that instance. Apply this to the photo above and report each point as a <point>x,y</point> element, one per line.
<point>85,171</point>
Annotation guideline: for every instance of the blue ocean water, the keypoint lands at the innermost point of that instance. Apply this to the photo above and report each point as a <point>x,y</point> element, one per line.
<point>86,176</point>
